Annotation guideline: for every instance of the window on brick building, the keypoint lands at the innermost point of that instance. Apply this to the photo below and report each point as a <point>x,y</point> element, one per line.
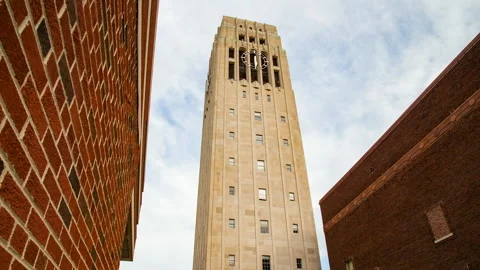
<point>295,228</point>
<point>241,37</point>
<point>251,39</point>
<point>285,142</point>
<point>262,41</point>
<point>231,161</point>
<point>276,75</point>
<point>264,226</point>
<point>438,224</point>
<point>291,196</point>
<point>349,264</point>
<point>231,223</point>
<point>231,190</point>
<point>283,119</point>
<point>231,135</point>
<point>232,111</point>
<point>231,53</point>
<point>231,260</point>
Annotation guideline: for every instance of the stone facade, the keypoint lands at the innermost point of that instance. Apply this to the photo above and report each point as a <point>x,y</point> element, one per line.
<point>411,202</point>
<point>75,82</point>
<point>235,195</point>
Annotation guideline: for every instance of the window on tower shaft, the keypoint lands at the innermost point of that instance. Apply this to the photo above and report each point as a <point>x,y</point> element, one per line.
<point>231,53</point>
<point>251,39</point>
<point>231,190</point>
<point>231,70</point>
<point>276,75</point>
<point>231,223</point>
<point>241,37</point>
<point>264,226</point>
<point>266,262</point>
<point>275,61</point>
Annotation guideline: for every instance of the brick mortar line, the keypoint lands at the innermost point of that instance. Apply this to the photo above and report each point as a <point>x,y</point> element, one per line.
<point>468,105</point>
<point>27,231</point>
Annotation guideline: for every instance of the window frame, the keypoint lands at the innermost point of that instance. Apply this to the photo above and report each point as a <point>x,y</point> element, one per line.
<point>262,197</point>
<point>266,262</point>
<point>285,142</point>
<point>283,119</point>
<point>231,223</point>
<point>244,94</point>
<point>260,165</point>
<point>231,190</point>
<point>232,111</point>
<point>256,96</point>
<point>231,161</point>
<point>264,227</point>
<point>231,53</point>
<point>295,228</point>
<point>230,261</point>
<point>299,264</point>
<point>269,98</point>
<point>291,196</point>
<point>257,137</point>
<point>231,135</point>
<point>258,116</point>
<point>288,167</point>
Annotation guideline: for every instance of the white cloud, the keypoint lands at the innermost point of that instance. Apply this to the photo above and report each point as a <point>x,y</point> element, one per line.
<point>355,66</point>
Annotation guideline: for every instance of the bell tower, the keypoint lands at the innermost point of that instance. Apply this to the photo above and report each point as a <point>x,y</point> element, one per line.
<point>254,209</point>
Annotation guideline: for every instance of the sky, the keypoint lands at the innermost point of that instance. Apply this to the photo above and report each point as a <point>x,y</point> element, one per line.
<point>355,68</point>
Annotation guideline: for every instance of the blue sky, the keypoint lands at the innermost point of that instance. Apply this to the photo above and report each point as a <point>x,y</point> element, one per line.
<point>355,67</point>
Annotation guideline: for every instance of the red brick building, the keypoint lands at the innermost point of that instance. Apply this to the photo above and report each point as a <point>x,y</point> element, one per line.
<point>412,201</point>
<point>75,82</point>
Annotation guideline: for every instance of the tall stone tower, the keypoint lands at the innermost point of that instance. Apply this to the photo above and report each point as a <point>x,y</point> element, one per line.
<point>254,206</point>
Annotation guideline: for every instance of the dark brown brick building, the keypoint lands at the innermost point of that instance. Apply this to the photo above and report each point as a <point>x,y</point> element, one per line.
<point>75,82</point>
<point>412,201</point>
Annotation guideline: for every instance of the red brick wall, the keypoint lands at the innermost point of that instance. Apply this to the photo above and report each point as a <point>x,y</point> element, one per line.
<point>69,145</point>
<point>390,229</point>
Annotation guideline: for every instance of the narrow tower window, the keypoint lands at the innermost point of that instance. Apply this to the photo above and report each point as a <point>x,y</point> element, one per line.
<point>289,167</point>
<point>283,119</point>
<point>231,260</point>
<point>262,194</point>
<point>299,263</point>
<point>231,53</point>
<point>251,39</point>
<point>231,190</point>
<point>242,66</point>
<point>269,98</point>
<point>266,262</point>
<point>258,116</point>
<point>291,196</point>
<point>285,142</point>
<point>231,135</point>
<point>264,226</point>
<point>256,96</point>
<point>275,61</point>
<point>231,70</point>
<point>276,74</point>
<point>244,94</point>
<point>260,165</point>
<point>231,161</point>
<point>231,223</point>
<point>295,228</point>
<point>262,41</point>
<point>259,139</point>
<point>232,111</point>
<point>241,37</point>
